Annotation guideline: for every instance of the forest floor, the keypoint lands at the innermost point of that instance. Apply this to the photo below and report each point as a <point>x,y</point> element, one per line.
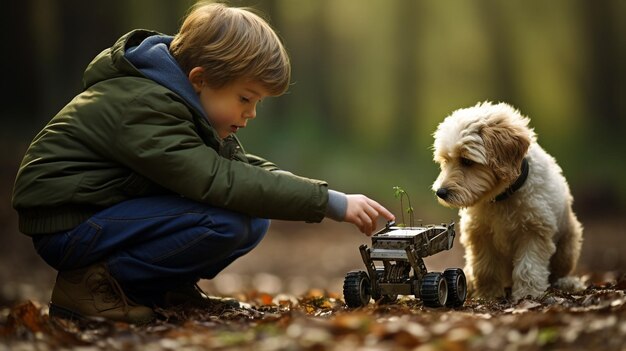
<point>591,320</point>
<point>290,294</point>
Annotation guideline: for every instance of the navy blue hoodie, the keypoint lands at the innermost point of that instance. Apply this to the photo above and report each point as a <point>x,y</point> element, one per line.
<point>153,59</point>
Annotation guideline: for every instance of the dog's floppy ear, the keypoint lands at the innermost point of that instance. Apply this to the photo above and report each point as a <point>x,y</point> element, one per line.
<point>506,146</point>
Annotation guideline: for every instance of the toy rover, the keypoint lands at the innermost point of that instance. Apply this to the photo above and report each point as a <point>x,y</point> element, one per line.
<point>401,249</point>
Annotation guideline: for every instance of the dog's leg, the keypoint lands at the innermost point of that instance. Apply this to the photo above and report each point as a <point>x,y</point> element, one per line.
<point>566,256</point>
<point>485,268</point>
<point>486,272</point>
<point>568,249</point>
<point>530,264</point>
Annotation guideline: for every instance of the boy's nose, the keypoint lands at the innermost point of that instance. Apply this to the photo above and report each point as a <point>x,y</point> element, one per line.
<point>250,114</point>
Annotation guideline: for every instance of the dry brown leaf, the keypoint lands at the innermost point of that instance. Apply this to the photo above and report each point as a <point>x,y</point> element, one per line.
<point>319,320</point>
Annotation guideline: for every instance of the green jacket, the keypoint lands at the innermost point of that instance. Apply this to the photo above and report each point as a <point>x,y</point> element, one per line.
<point>125,136</point>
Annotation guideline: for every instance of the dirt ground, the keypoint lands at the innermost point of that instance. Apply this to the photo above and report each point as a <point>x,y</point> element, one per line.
<point>294,258</point>
<point>291,287</point>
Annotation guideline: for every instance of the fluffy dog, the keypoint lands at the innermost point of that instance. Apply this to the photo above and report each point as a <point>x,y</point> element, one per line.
<point>517,223</point>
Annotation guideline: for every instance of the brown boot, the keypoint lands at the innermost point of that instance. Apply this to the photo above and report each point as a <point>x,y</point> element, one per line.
<point>93,292</point>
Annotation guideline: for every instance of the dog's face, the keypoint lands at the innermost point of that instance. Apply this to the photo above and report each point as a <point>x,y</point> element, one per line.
<point>479,150</point>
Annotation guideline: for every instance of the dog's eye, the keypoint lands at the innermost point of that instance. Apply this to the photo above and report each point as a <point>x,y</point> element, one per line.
<point>466,162</point>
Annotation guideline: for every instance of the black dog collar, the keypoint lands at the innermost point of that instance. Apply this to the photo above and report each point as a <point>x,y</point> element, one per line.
<point>517,184</point>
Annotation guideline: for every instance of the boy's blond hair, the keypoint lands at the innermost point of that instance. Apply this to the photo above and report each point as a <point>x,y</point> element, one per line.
<point>229,44</point>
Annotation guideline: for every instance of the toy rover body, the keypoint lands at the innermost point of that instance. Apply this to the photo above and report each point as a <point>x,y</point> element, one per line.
<point>402,271</point>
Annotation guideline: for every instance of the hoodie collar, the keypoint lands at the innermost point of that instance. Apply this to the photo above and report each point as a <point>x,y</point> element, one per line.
<point>153,59</point>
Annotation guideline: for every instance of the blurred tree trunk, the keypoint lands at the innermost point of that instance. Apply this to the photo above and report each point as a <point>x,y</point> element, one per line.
<point>501,41</point>
<point>90,35</point>
<point>66,36</point>
<point>271,9</point>
<point>605,81</point>
<point>406,42</point>
<point>20,82</point>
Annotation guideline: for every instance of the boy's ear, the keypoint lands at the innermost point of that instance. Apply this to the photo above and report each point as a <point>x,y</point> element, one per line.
<point>196,77</point>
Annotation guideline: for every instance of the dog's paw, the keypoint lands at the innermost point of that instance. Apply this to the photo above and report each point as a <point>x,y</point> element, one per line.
<point>489,292</point>
<point>569,284</point>
<point>524,292</point>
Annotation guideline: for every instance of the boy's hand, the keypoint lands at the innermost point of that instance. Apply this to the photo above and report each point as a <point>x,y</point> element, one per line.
<point>363,212</point>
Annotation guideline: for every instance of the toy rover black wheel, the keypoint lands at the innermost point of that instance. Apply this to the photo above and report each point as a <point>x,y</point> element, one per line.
<point>457,287</point>
<point>434,290</point>
<point>357,289</point>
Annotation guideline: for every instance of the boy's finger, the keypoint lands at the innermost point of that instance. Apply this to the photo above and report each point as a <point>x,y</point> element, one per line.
<point>367,224</point>
<point>382,211</point>
<point>371,212</point>
<point>358,222</point>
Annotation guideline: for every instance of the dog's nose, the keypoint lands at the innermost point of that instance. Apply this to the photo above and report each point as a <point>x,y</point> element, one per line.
<point>442,193</point>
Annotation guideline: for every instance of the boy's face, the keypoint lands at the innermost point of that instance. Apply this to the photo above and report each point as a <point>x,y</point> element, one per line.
<point>230,107</point>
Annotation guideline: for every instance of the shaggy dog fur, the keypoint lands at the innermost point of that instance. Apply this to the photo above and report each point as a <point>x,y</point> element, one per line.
<point>528,240</point>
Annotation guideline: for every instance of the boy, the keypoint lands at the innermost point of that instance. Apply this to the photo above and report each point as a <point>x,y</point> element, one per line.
<point>138,187</point>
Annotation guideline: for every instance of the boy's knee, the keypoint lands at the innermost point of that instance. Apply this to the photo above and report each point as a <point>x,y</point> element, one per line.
<point>241,231</point>
<point>259,227</point>
<point>253,232</point>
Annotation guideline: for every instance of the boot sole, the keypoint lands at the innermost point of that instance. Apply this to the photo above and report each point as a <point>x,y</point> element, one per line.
<point>61,312</point>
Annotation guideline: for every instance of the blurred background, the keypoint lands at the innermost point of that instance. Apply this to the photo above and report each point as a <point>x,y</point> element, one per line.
<point>371,81</point>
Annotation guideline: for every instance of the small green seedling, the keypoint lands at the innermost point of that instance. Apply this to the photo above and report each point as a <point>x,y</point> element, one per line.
<point>400,193</point>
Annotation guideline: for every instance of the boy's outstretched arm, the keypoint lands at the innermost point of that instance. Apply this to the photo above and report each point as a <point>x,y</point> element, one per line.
<point>363,212</point>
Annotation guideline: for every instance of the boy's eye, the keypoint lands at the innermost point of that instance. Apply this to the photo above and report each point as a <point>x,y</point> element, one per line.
<point>244,99</point>
<point>466,162</point>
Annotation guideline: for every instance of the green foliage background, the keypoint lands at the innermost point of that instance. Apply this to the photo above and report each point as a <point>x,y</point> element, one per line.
<point>371,81</point>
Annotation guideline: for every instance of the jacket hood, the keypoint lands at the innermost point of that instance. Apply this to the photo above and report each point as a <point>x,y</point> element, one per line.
<point>143,53</point>
<point>153,59</point>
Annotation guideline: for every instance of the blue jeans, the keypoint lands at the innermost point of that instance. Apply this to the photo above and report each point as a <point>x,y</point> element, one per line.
<point>155,244</point>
